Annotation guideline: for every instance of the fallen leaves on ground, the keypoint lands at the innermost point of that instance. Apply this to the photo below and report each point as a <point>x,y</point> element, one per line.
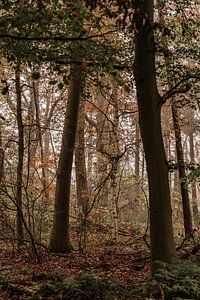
<point>22,271</point>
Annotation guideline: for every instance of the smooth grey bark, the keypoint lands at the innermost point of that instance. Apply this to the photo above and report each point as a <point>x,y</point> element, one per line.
<point>149,104</point>
<point>60,241</point>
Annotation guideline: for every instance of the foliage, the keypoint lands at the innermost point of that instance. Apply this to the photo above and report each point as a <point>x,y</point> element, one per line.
<point>87,287</point>
<point>179,281</point>
<point>194,175</point>
<point>80,287</point>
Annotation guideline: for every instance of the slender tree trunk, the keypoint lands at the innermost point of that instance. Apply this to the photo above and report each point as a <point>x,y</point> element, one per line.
<point>137,150</point>
<point>20,233</point>
<point>40,138</point>
<point>80,164</point>
<point>1,155</point>
<point>137,204</point>
<point>115,150</point>
<point>169,158</point>
<point>60,241</point>
<point>101,145</point>
<point>114,202</point>
<point>149,104</point>
<point>82,189</point>
<point>192,160</point>
<point>182,174</point>
<point>187,217</point>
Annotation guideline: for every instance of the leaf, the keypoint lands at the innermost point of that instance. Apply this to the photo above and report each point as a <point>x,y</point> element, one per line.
<point>4,90</point>
<point>60,86</point>
<point>36,75</point>
<point>53,82</point>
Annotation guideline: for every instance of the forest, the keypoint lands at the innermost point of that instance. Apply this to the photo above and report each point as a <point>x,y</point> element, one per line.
<point>100,149</point>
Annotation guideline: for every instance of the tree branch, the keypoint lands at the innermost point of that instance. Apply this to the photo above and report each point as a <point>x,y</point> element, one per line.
<point>176,89</point>
<point>52,38</point>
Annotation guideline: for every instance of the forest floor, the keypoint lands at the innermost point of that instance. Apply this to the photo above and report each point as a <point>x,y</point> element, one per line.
<point>106,271</point>
<point>23,277</point>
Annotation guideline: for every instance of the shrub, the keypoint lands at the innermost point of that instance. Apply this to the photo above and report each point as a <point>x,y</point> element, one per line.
<point>179,281</point>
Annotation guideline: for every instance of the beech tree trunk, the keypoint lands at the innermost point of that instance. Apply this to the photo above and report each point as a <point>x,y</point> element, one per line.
<point>60,241</point>
<point>20,233</point>
<point>149,104</point>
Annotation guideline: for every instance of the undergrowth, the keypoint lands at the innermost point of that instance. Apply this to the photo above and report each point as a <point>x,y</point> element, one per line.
<point>175,282</point>
<point>172,282</point>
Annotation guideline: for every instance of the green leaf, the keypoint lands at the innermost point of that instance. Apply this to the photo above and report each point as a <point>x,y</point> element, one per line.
<point>36,75</point>
<point>60,85</point>
<point>4,90</point>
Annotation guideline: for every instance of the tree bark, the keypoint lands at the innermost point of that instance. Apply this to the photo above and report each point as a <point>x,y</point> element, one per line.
<point>192,161</point>
<point>60,241</point>
<point>187,217</point>
<point>137,202</point>
<point>115,150</point>
<point>40,139</point>
<point>80,164</point>
<point>1,155</point>
<point>182,174</point>
<point>149,104</point>
<point>20,233</point>
<point>102,145</point>
<point>82,189</point>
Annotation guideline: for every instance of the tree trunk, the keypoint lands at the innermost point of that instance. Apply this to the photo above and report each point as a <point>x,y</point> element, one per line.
<point>83,194</point>
<point>115,150</point>
<point>182,174</point>
<point>192,161</point>
<point>80,164</point>
<point>187,217</point>
<point>149,104</point>
<point>20,233</point>
<point>102,145</point>
<point>1,155</point>
<point>60,241</point>
<point>40,138</point>
<point>137,201</point>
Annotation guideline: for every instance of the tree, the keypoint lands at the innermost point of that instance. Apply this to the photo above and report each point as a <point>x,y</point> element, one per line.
<point>80,163</point>
<point>187,217</point>
<point>20,233</point>
<point>149,104</point>
<point>60,241</point>
<point>192,161</point>
<point>82,188</point>
<point>2,119</point>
